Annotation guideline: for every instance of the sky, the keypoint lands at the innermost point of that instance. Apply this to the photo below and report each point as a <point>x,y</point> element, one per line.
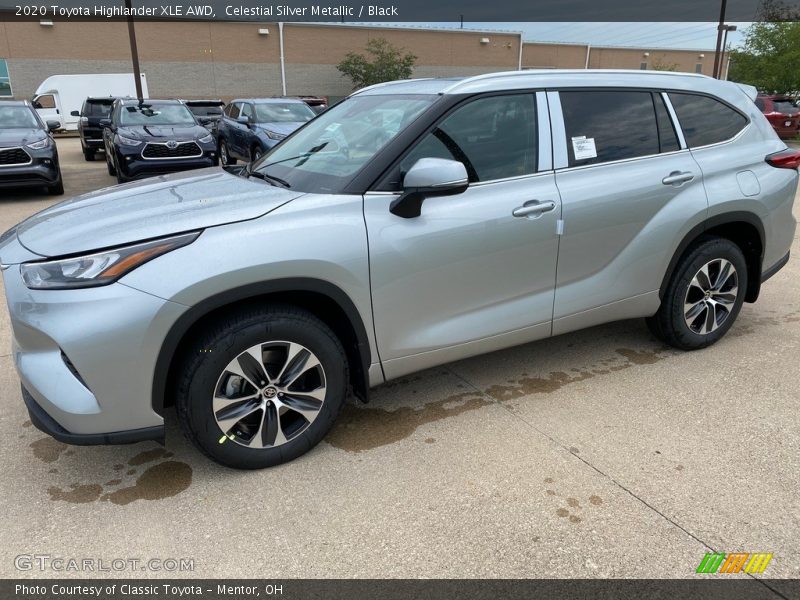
<point>700,36</point>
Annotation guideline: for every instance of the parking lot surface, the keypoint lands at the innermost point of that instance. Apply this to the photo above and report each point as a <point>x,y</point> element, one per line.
<point>600,453</point>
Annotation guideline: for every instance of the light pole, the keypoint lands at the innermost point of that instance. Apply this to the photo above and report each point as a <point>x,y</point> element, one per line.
<point>137,77</point>
<point>723,6</point>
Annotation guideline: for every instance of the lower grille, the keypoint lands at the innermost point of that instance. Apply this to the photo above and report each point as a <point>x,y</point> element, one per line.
<point>182,150</point>
<point>13,156</point>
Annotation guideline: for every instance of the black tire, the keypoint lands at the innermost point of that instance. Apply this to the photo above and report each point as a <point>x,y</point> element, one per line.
<point>110,166</point>
<point>57,189</point>
<point>669,323</point>
<point>255,154</point>
<point>88,155</point>
<point>225,157</point>
<point>222,342</point>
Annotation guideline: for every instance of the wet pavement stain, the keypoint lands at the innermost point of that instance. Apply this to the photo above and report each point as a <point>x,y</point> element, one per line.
<point>640,357</point>
<point>27,424</point>
<point>595,500</point>
<point>573,502</point>
<point>562,512</point>
<point>149,456</point>
<point>160,481</point>
<point>359,429</point>
<point>77,494</point>
<point>47,449</point>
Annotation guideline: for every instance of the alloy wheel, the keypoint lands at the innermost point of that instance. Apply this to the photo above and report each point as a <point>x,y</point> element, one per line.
<point>223,152</point>
<point>269,394</point>
<point>711,296</point>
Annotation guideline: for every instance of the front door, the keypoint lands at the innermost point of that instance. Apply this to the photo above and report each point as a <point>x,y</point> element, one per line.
<point>468,276</point>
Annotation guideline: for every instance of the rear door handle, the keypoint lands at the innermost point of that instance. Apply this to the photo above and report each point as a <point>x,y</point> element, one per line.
<point>533,208</point>
<point>677,178</point>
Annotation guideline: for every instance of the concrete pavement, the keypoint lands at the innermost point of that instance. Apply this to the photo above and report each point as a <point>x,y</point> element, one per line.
<point>600,453</point>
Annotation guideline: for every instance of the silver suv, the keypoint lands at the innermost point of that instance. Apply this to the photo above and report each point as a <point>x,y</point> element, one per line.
<point>413,224</point>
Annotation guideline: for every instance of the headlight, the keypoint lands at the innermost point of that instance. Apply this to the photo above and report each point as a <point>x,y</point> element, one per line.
<point>41,144</point>
<point>128,141</point>
<point>274,136</point>
<point>98,269</point>
<point>207,139</point>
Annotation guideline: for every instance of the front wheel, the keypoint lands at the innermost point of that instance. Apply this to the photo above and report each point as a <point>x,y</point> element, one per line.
<point>703,297</point>
<point>225,154</point>
<point>262,387</point>
<point>57,189</point>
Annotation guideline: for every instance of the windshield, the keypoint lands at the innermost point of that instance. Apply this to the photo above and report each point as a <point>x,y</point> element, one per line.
<point>17,117</point>
<point>283,113</point>
<point>324,155</point>
<point>98,109</point>
<point>156,114</point>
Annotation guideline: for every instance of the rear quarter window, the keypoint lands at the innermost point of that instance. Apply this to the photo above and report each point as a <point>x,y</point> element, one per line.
<point>705,120</point>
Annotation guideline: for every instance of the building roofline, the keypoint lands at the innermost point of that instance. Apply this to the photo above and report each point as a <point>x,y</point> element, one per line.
<point>401,27</point>
<point>607,47</point>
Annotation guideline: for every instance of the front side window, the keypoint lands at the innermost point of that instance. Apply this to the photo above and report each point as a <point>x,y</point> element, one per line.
<point>494,137</point>
<point>5,80</point>
<point>155,114</point>
<point>46,101</point>
<point>705,120</point>
<point>283,113</point>
<point>247,111</point>
<point>324,155</point>
<point>604,126</point>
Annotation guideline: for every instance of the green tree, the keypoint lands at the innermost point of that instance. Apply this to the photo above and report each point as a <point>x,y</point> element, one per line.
<point>660,65</point>
<point>769,58</point>
<point>383,63</point>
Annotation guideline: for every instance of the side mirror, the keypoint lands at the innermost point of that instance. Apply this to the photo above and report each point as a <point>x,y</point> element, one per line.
<point>105,122</point>
<point>75,113</point>
<point>243,120</point>
<point>53,125</point>
<point>429,177</point>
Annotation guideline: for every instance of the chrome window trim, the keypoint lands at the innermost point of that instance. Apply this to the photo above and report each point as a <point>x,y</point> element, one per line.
<point>30,158</point>
<point>473,184</point>
<point>623,160</point>
<point>172,157</point>
<point>674,117</point>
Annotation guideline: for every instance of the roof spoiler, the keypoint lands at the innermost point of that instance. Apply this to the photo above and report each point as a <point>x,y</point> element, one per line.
<point>750,90</point>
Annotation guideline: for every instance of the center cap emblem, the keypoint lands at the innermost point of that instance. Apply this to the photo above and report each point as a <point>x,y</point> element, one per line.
<point>172,144</point>
<point>270,392</point>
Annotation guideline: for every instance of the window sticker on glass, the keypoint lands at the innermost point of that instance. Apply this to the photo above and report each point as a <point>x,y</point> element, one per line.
<point>583,148</point>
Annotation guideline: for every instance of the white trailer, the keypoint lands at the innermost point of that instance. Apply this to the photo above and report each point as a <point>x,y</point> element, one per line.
<point>59,95</point>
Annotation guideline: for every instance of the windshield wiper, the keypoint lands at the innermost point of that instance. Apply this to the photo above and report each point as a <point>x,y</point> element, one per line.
<point>268,178</point>
<point>304,155</point>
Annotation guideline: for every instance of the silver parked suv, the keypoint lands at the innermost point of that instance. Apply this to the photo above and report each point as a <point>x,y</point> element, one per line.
<point>415,223</point>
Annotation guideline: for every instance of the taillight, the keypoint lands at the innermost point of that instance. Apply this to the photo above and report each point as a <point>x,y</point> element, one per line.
<point>785,159</point>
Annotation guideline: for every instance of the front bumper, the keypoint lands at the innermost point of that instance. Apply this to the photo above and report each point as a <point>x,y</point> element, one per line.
<point>86,358</point>
<point>42,170</point>
<point>132,165</point>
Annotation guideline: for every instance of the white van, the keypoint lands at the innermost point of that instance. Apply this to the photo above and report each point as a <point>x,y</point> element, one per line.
<point>59,95</point>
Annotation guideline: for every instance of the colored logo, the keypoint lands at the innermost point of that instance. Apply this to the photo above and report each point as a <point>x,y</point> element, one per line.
<point>735,562</point>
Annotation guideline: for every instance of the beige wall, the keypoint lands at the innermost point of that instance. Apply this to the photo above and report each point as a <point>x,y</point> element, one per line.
<point>573,56</point>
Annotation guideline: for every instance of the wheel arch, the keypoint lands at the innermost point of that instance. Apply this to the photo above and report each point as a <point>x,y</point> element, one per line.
<point>743,228</point>
<point>324,299</point>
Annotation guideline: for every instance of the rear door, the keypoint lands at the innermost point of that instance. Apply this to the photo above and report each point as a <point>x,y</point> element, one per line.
<point>468,276</point>
<point>630,190</point>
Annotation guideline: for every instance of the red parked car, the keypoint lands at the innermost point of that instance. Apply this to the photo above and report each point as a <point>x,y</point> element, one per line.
<point>782,114</point>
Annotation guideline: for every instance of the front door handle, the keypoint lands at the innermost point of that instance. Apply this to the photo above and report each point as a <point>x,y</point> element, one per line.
<point>533,208</point>
<point>677,178</point>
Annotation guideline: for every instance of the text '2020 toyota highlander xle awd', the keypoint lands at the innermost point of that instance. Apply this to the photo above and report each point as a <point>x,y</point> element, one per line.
<point>414,223</point>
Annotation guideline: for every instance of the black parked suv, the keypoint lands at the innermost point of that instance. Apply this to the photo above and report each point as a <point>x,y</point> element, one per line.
<point>91,113</point>
<point>251,127</point>
<point>207,112</point>
<point>28,153</point>
<point>154,137</point>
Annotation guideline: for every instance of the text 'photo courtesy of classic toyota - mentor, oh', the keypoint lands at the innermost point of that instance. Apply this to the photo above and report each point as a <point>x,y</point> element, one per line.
<point>412,224</point>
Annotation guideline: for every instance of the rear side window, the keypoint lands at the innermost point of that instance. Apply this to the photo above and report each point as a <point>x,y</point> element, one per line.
<point>233,110</point>
<point>705,120</point>
<point>603,126</point>
<point>494,137</point>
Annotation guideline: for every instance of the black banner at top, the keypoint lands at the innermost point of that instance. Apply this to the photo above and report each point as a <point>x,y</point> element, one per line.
<point>398,11</point>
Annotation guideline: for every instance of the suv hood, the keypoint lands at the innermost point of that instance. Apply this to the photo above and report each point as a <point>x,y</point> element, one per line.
<point>146,209</point>
<point>164,132</point>
<point>20,137</point>
<point>282,128</point>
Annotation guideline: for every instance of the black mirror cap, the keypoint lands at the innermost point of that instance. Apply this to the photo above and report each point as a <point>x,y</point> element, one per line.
<point>409,204</point>
<point>75,113</point>
<point>105,122</point>
<point>53,125</point>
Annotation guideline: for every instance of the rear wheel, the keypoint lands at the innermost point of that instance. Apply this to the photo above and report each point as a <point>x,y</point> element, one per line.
<point>703,297</point>
<point>262,387</point>
<point>88,154</point>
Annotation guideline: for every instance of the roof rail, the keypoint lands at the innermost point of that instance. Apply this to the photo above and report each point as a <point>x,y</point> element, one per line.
<point>387,83</point>
<point>530,72</point>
